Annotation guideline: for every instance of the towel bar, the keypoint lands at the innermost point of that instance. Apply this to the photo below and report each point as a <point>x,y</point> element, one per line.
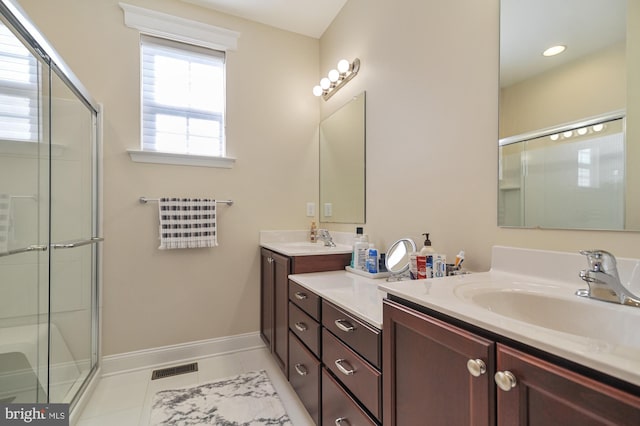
<point>145,200</point>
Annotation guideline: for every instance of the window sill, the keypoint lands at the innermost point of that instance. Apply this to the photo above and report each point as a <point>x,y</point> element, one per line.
<point>180,159</point>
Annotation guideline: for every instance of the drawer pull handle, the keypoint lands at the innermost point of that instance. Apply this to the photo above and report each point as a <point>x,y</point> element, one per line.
<point>476,367</point>
<point>300,326</point>
<point>505,380</point>
<point>344,325</point>
<point>346,371</point>
<point>342,421</point>
<point>301,369</point>
<point>300,296</point>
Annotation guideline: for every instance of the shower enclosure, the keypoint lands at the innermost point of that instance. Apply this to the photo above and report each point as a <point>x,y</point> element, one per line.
<point>49,224</point>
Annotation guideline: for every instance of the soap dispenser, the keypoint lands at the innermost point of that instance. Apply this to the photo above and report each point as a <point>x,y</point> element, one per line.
<point>426,249</point>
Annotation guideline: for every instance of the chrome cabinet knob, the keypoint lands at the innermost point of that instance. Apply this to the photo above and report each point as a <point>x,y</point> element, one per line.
<point>476,367</point>
<point>342,421</point>
<point>505,380</point>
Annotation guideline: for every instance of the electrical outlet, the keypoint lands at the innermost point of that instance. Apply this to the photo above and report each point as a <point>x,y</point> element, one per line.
<point>328,209</point>
<point>311,209</point>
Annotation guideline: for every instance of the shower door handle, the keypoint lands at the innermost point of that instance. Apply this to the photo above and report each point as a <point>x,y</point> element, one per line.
<point>24,250</point>
<point>77,243</point>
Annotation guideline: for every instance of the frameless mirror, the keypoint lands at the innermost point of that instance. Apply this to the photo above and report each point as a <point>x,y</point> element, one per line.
<point>397,259</point>
<point>342,164</point>
<point>555,171</point>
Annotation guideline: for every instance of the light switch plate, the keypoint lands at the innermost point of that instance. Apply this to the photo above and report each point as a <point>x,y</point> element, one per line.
<point>311,209</point>
<point>328,209</point>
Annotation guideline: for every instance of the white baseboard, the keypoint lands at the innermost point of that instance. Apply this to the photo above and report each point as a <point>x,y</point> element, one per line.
<point>143,359</point>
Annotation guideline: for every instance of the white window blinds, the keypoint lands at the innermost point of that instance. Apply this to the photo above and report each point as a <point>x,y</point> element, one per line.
<point>182,98</point>
<point>19,112</point>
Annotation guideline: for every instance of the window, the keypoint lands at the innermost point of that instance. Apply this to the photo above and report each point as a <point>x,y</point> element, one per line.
<point>19,115</point>
<point>183,98</point>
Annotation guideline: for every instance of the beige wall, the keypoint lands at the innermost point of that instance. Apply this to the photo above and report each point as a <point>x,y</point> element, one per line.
<point>431,74</point>
<point>586,87</point>
<point>151,297</point>
<point>430,70</point>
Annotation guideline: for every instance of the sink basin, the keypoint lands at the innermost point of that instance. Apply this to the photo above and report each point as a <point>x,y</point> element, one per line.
<point>312,247</point>
<point>616,324</point>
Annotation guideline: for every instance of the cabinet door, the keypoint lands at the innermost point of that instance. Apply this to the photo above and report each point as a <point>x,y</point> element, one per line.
<point>266,298</point>
<point>280,309</point>
<point>426,379</point>
<point>546,394</point>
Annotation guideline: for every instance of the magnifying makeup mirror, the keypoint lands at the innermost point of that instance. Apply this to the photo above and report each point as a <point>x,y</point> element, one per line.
<point>397,260</point>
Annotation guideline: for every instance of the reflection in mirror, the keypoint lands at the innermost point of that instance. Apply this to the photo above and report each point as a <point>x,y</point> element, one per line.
<point>568,177</point>
<point>342,164</point>
<point>595,76</point>
<point>397,259</point>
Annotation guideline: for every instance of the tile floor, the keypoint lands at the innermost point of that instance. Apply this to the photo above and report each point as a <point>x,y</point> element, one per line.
<point>125,399</point>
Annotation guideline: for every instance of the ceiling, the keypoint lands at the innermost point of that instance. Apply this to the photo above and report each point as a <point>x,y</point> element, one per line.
<point>307,17</point>
<point>529,27</point>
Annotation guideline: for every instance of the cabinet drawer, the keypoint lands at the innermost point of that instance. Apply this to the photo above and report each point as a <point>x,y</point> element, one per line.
<point>361,337</point>
<point>306,300</point>
<point>364,381</point>
<point>305,327</point>
<point>304,376</point>
<point>338,407</point>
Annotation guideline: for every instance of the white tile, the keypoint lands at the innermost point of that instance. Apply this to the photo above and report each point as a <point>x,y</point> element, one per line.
<point>130,417</point>
<point>219,367</point>
<point>117,393</point>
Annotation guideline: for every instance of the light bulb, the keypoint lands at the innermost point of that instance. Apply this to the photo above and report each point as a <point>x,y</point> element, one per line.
<point>343,66</point>
<point>598,127</point>
<point>325,83</point>
<point>568,134</point>
<point>334,75</point>
<point>582,131</point>
<point>317,90</point>
<point>554,137</point>
<point>554,50</point>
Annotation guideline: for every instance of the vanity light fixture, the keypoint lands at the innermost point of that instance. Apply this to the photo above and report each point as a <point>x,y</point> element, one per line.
<point>554,50</point>
<point>337,78</point>
<point>579,132</point>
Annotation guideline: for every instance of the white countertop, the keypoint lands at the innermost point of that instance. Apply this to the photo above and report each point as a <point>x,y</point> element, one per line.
<point>447,295</point>
<point>295,243</point>
<point>355,294</point>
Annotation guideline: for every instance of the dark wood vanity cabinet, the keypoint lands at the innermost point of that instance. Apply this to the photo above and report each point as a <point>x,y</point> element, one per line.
<point>331,361</point>
<point>547,394</point>
<point>273,300</point>
<point>427,380</point>
<point>274,295</point>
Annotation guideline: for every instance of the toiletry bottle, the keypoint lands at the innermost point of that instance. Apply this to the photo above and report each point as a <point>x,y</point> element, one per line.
<point>427,249</point>
<point>313,232</point>
<point>372,260</point>
<point>413,265</point>
<point>353,263</point>
<point>362,250</point>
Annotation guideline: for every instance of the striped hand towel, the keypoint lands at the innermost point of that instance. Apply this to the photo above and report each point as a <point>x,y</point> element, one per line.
<point>187,223</point>
<point>5,221</point>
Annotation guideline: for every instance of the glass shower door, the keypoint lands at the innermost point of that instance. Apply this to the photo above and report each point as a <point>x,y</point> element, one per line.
<point>73,298</point>
<point>24,220</point>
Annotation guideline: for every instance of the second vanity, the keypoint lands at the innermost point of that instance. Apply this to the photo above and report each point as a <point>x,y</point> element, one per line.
<point>514,345</point>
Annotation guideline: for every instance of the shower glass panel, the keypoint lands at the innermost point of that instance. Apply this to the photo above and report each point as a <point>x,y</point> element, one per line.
<point>48,221</point>
<point>72,256</point>
<point>24,222</point>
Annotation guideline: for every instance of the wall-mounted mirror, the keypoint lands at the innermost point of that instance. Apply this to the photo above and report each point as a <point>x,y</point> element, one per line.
<point>342,164</point>
<point>544,176</point>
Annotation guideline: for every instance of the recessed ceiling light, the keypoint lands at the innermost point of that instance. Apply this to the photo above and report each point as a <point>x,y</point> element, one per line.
<point>554,50</point>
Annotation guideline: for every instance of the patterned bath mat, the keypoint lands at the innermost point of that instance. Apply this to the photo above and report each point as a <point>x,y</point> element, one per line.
<point>244,400</point>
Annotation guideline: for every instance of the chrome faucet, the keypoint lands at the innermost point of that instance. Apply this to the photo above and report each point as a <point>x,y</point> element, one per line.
<point>323,234</point>
<point>603,280</point>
